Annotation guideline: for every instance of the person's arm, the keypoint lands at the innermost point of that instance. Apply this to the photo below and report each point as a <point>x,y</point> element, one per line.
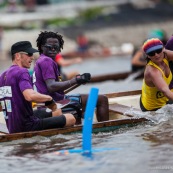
<point>54,86</point>
<point>67,62</point>
<point>33,96</point>
<point>138,58</point>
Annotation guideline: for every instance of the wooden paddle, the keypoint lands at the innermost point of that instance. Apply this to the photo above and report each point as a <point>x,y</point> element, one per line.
<point>71,88</point>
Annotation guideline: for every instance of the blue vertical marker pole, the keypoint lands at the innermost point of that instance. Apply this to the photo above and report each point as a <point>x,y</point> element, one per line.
<point>88,119</point>
<point>87,128</point>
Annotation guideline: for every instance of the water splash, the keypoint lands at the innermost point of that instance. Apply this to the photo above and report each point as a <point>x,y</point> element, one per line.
<point>161,115</point>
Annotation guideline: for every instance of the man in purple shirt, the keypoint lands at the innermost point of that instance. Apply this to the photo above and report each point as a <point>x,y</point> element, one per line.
<point>17,95</point>
<point>47,78</point>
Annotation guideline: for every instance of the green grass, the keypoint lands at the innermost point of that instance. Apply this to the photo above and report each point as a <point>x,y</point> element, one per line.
<point>83,17</point>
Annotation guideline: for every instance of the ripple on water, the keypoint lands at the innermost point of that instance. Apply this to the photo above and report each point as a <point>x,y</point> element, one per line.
<point>142,148</point>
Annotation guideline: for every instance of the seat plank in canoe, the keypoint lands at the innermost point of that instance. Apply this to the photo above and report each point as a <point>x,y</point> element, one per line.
<point>121,109</point>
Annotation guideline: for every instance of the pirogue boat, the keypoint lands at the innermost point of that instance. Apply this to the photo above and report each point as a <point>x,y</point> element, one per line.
<point>118,76</point>
<point>119,106</point>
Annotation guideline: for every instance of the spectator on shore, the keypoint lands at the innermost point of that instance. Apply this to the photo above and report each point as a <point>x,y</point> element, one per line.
<point>30,5</point>
<point>12,6</point>
<point>82,42</point>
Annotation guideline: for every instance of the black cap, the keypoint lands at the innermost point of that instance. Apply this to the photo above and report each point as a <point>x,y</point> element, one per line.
<point>22,46</point>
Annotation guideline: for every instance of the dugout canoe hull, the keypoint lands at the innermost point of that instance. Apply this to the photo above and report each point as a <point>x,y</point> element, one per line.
<point>98,127</point>
<point>114,76</point>
<point>117,119</point>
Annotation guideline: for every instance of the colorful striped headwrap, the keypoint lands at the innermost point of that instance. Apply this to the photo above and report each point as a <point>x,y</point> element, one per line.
<point>152,45</point>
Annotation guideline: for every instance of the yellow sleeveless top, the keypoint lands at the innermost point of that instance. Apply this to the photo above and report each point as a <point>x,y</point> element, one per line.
<point>151,97</point>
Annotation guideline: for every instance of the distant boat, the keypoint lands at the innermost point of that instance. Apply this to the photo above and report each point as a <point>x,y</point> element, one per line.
<point>118,76</point>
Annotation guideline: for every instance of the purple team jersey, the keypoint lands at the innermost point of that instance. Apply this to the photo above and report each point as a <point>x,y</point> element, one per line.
<point>45,68</point>
<point>17,111</point>
<point>169,44</point>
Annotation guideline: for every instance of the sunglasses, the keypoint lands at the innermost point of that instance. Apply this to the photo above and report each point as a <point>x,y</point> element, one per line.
<point>54,47</point>
<point>28,54</point>
<point>154,52</point>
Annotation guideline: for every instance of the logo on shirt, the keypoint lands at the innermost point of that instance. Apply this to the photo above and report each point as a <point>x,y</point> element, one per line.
<point>5,95</point>
<point>159,94</point>
<point>5,91</point>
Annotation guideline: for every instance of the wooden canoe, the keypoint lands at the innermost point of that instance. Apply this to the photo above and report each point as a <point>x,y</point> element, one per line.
<point>104,52</point>
<point>119,104</point>
<point>111,76</point>
<point>117,76</point>
<point>96,51</point>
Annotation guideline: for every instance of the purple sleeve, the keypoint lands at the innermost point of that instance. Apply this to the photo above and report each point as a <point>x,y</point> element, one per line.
<point>25,81</point>
<point>169,44</point>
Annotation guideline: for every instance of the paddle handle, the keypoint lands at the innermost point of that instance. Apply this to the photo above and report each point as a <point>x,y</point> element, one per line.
<point>71,88</point>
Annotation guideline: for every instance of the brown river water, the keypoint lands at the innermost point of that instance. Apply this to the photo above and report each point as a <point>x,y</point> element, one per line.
<point>143,148</point>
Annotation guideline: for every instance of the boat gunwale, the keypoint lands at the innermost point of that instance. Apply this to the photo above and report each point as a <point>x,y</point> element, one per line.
<point>67,130</point>
<point>124,93</point>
